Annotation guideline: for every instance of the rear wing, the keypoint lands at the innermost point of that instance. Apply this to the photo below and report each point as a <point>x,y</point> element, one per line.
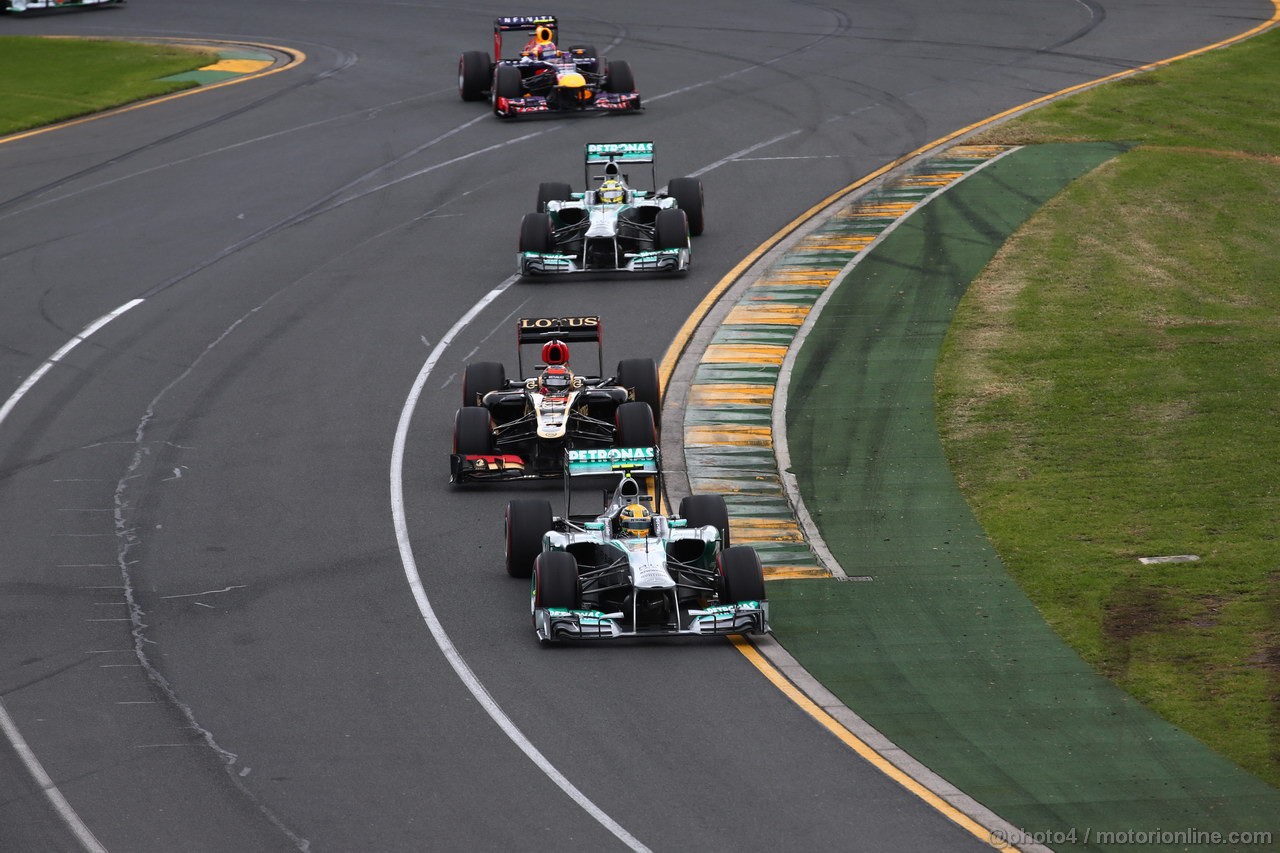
<point>619,152</point>
<point>521,23</point>
<point>611,460</point>
<point>614,156</point>
<point>540,330</point>
<point>637,470</point>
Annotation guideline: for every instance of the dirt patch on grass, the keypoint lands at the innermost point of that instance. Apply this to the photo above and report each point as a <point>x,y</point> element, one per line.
<point>1131,612</point>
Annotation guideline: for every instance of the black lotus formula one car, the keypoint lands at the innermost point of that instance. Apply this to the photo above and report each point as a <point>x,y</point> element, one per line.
<point>520,429</point>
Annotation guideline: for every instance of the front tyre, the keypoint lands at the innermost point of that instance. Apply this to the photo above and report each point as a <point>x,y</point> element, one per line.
<point>741,575</point>
<point>688,195</point>
<point>620,80</point>
<point>473,432</point>
<point>506,86</point>
<point>636,427</point>
<point>555,581</point>
<point>535,233</point>
<point>474,74</point>
<point>671,229</point>
<point>527,519</point>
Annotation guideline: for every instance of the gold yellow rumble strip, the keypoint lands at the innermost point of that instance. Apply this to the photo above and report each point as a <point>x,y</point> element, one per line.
<point>720,394</point>
<point>744,354</point>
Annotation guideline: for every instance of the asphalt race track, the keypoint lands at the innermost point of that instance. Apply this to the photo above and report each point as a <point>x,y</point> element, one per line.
<point>209,637</point>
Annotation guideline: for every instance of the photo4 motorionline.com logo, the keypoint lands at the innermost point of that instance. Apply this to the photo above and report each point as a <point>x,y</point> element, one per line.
<point>1014,838</point>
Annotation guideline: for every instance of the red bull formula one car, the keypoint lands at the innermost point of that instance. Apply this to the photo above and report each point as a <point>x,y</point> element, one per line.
<point>542,78</point>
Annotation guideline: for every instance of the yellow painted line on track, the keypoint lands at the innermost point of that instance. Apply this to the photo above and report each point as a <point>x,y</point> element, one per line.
<point>297,57</point>
<point>855,743</point>
<point>685,333</point>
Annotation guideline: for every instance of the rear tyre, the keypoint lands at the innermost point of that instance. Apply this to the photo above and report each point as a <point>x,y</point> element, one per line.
<point>620,80</point>
<point>552,191</point>
<point>703,510</point>
<point>526,520</point>
<point>555,581</point>
<point>671,229</point>
<point>506,84</point>
<point>474,75</point>
<point>741,575</point>
<point>688,195</point>
<point>636,427</point>
<point>535,233</point>
<point>640,375</point>
<point>585,53</point>
<point>473,431</point>
<point>480,378</point>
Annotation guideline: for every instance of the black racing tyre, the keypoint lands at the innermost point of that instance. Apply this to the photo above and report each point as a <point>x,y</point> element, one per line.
<point>636,427</point>
<point>701,510</point>
<point>535,233</point>
<point>526,520</point>
<point>473,431</point>
<point>555,581</point>
<point>480,378</point>
<point>620,80</point>
<point>475,71</point>
<point>671,229</point>
<point>741,575</point>
<point>506,84</point>
<point>585,53</point>
<point>688,195</point>
<point>640,375</point>
<point>552,191</point>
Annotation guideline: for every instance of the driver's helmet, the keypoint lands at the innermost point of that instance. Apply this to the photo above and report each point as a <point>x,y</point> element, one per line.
<point>612,192</point>
<point>555,381</point>
<point>541,46</point>
<point>634,521</point>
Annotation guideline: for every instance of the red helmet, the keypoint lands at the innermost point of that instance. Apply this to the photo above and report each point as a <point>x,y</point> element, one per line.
<point>555,352</point>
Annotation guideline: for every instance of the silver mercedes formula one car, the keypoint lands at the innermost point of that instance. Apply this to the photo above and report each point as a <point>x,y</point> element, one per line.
<point>520,429</point>
<point>631,570</point>
<point>611,226</point>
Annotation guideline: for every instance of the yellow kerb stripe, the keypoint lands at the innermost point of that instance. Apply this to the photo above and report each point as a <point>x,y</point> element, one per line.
<point>715,395</point>
<point>879,211</point>
<point>735,434</point>
<point>790,573</point>
<point>835,243</point>
<point>744,354</point>
<point>239,66</point>
<point>765,530</point>
<point>764,313</point>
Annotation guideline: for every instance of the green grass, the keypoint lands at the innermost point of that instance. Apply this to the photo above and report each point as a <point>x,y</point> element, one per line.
<point>45,80</point>
<point>1110,389</point>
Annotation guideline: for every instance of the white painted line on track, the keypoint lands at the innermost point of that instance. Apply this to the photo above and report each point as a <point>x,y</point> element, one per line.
<point>51,792</point>
<point>59,803</point>
<point>450,651</point>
